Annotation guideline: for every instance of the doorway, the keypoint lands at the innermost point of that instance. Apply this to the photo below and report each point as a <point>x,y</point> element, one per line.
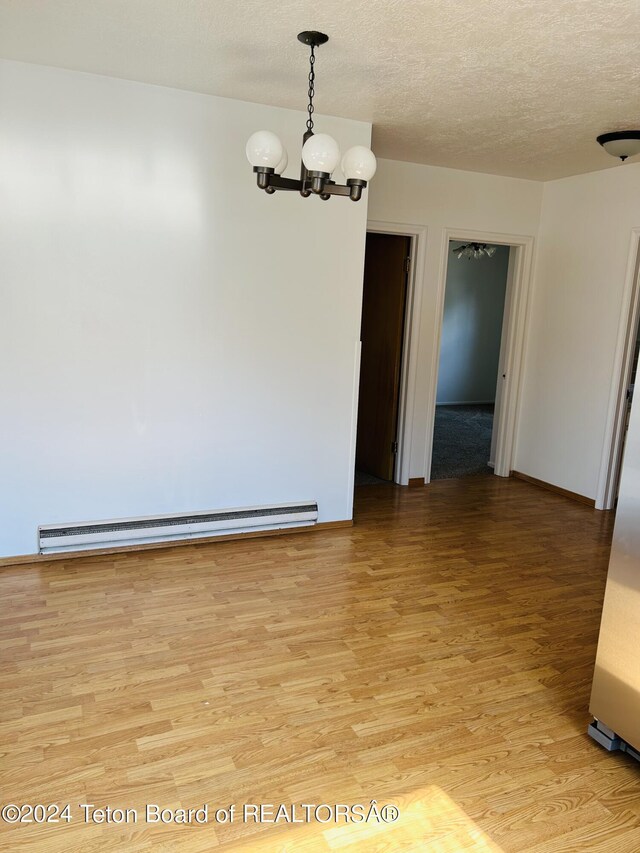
<point>382,335</point>
<point>628,400</point>
<point>514,327</point>
<point>470,345</point>
<point>623,383</point>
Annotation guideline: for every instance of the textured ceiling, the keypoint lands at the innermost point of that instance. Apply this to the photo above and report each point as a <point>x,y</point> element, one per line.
<point>513,87</point>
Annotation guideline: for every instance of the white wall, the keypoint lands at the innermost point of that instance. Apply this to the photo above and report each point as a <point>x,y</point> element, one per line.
<point>471,327</point>
<point>438,198</point>
<point>171,338</point>
<point>584,243</point>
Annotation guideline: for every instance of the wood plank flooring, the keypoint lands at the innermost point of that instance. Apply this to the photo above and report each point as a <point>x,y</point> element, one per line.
<point>436,656</point>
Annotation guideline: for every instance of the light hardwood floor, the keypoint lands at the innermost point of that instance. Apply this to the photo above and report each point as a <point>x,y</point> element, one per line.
<point>438,656</point>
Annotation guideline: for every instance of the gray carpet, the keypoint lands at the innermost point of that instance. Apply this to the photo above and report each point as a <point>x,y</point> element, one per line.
<point>461,441</point>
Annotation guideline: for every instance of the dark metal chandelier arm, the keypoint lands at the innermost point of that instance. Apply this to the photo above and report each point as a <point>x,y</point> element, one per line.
<point>270,182</point>
<point>314,183</point>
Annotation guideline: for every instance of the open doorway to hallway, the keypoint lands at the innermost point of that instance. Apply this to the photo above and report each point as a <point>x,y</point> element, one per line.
<point>472,339</point>
<point>625,374</point>
<point>382,334</point>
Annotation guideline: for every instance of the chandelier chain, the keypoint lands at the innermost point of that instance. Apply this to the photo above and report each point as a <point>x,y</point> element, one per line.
<point>312,78</point>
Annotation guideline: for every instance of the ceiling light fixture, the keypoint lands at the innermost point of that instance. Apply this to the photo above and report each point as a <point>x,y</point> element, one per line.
<point>474,250</point>
<point>621,143</point>
<point>320,153</point>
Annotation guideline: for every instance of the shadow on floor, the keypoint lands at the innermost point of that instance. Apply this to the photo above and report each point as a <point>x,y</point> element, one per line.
<point>364,479</point>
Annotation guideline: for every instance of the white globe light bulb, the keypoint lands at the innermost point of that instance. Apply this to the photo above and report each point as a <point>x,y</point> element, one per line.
<point>282,165</point>
<point>264,149</point>
<point>359,163</point>
<point>320,153</point>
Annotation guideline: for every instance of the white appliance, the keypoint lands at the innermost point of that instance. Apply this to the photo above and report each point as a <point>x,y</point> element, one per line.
<point>615,697</point>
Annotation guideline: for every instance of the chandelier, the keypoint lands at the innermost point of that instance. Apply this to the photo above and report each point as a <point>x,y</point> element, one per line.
<point>474,250</point>
<point>320,153</point>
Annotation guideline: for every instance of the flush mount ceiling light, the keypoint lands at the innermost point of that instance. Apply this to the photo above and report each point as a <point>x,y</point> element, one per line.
<point>621,143</point>
<point>474,250</point>
<point>320,153</point>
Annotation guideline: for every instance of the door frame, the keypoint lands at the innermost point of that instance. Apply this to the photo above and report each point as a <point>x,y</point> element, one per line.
<point>611,459</point>
<point>515,328</point>
<point>409,362</point>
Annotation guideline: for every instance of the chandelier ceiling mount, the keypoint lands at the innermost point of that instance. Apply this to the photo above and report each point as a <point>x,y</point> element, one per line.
<point>313,38</point>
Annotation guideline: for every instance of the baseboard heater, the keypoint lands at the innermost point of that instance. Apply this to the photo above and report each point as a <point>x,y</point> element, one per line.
<point>85,535</point>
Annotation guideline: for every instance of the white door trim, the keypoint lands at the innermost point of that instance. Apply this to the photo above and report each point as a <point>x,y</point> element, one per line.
<point>622,365</point>
<point>415,287</point>
<point>517,321</point>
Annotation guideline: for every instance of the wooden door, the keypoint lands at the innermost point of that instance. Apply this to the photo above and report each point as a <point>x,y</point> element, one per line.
<point>382,333</point>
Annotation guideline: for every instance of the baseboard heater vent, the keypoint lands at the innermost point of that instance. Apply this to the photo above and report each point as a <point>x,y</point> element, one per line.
<point>129,531</point>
